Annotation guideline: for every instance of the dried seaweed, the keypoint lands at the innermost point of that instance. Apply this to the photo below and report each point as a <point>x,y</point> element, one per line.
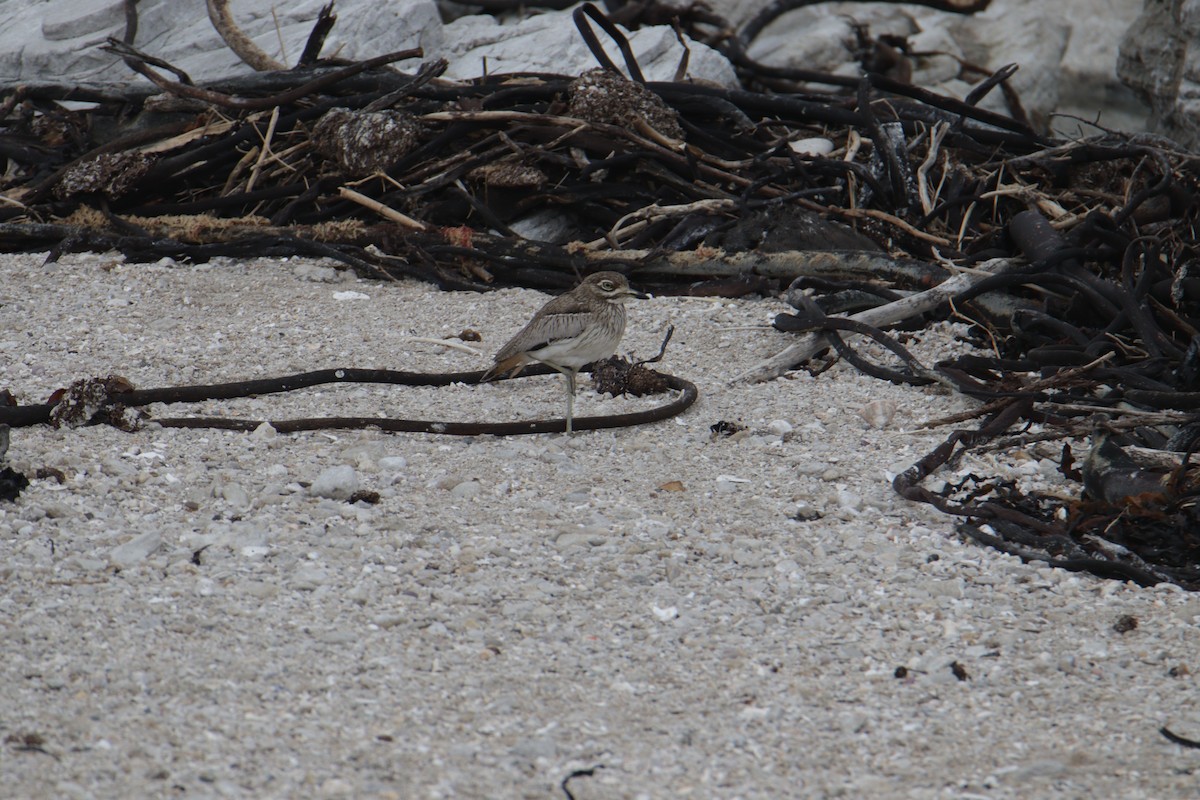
<point>624,164</point>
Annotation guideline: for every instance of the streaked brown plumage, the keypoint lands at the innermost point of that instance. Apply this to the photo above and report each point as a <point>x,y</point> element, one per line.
<point>570,331</point>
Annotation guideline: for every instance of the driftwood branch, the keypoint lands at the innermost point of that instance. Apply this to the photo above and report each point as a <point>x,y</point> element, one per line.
<point>187,90</point>
<point>882,316</point>
<point>239,42</point>
<point>787,265</point>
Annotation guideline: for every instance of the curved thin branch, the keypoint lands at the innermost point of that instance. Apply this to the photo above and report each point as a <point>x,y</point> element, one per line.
<point>239,43</point>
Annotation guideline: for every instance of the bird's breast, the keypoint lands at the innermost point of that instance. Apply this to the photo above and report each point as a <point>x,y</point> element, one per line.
<point>596,341</point>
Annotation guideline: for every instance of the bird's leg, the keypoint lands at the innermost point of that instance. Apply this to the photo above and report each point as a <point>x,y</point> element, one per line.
<point>570,397</point>
<point>569,374</point>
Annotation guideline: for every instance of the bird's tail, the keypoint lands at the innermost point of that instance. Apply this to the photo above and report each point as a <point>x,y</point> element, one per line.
<point>511,365</point>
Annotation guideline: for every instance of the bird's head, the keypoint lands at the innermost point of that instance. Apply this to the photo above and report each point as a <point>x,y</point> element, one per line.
<point>610,286</point>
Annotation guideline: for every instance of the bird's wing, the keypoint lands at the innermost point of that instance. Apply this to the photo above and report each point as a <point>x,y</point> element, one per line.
<point>558,323</point>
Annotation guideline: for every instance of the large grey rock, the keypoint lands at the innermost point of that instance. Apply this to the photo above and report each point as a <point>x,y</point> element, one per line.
<point>1160,61</point>
<point>1066,51</point>
<point>1035,41</point>
<point>551,43</point>
<point>1089,68</point>
<point>62,41</point>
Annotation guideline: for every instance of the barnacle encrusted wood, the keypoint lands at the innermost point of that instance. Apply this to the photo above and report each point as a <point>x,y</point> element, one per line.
<point>600,95</point>
<point>365,142</point>
<point>508,175</point>
<point>108,174</point>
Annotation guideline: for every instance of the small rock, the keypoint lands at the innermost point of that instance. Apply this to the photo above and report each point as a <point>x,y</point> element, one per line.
<point>264,433</point>
<point>466,489</point>
<point>573,539</point>
<point>835,594</point>
<point>943,588</point>
<point>386,621</point>
<point>260,590</point>
<point>393,463</point>
<point>308,577</point>
<point>780,427</point>
<point>541,747</point>
<point>809,468</point>
<point>744,557</point>
<point>136,549</point>
<point>806,512</point>
<point>360,593</point>
<point>878,413</point>
<point>55,510</point>
<point>40,548</point>
<point>848,500</point>
<point>815,146</point>
<point>337,787</point>
<point>665,614</point>
<point>337,636</point>
<point>316,273</point>
<point>336,483</point>
<point>233,493</point>
<point>446,483</point>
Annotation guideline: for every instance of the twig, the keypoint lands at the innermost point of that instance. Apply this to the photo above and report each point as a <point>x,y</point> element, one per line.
<point>316,37</point>
<point>264,150</point>
<point>891,219</point>
<point>451,343</point>
<point>662,349</point>
<point>935,143</point>
<point>637,220</point>
<point>382,210</point>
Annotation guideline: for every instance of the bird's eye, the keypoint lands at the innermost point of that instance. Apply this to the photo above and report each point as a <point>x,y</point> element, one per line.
<point>607,286</point>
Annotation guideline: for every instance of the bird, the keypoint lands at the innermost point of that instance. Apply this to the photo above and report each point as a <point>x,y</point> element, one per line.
<point>570,332</point>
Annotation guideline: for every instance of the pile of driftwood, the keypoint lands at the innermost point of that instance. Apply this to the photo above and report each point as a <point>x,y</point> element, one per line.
<point>873,204</point>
